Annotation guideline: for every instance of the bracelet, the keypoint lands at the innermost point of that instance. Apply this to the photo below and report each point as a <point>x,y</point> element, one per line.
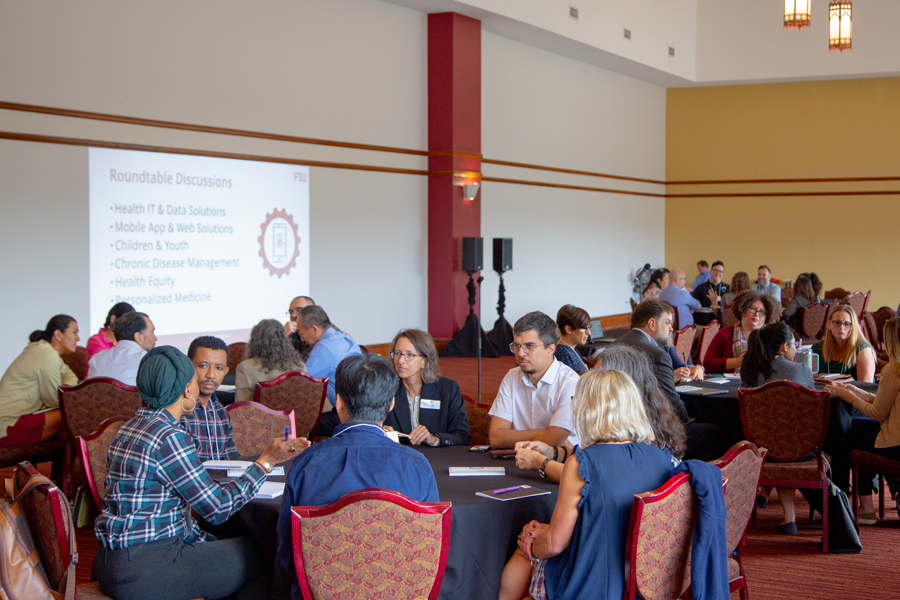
<point>566,455</point>
<point>264,465</point>
<point>555,452</point>
<point>543,472</point>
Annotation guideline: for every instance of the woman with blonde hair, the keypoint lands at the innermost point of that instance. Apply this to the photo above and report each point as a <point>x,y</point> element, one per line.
<point>581,553</point>
<point>878,431</point>
<point>428,408</point>
<point>844,348</point>
<point>269,354</point>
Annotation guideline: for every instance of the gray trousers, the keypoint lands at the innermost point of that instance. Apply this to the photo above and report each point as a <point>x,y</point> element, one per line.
<point>171,569</point>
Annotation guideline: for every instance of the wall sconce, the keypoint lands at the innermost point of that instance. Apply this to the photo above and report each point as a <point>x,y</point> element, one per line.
<point>470,191</point>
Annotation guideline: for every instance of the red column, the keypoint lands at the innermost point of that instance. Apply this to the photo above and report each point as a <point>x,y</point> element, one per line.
<point>454,145</point>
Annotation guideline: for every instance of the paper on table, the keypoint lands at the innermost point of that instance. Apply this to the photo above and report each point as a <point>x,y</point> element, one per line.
<point>716,380</point>
<point>270,490</point>
<point>225,388</point>
<point>239,472</point>
<point>687,389</point>
<point>224,465</point>
<point>476,471</point>
<point>732,375</point>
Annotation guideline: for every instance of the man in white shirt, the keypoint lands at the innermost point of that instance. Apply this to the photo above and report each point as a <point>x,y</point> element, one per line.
<point>135,336</point>
<point>764,283</point>
<point>534,401</point>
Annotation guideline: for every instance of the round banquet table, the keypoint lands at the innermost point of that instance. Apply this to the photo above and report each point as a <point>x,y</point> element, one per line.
<point>482,531</point>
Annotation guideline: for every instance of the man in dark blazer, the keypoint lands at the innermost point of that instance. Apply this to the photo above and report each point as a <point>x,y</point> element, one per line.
<point>651,325</point>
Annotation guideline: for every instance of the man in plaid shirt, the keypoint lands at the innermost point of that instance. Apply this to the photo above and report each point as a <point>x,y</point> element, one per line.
<point>209,424</point>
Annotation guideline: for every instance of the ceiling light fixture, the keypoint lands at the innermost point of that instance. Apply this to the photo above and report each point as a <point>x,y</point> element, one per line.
<point>840,19</point>
<point>796,13</point>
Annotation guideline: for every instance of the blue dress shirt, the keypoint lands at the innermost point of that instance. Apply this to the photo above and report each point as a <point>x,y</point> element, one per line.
<point>327,354</point>
<point>359,455</point>
<point>683,302</point>
<point>701,278</point>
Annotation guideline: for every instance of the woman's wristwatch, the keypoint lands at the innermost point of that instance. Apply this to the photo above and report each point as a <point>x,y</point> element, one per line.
<point>542,472</point>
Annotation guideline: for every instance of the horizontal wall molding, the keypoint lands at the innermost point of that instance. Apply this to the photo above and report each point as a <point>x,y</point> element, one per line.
<point>160,124</point>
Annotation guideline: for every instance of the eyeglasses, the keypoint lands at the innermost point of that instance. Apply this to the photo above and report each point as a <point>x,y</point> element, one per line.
<point>529,347</point>
<point>842,324</point>
<point>719,271</point>
<point>757,311</point>
<point>293,312</point>
<point>407,355</point>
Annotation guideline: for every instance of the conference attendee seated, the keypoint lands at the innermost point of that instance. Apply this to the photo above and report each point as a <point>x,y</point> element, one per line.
<point>581,553</point>
<point>815,281</point>
<point>804,295</point>
<point>844,348</point>
<point>150,545</point>
<point>30,384</point>
<point>877,430</point>
<point>683,371</point>
<point>668,431</point>
<point>770,355</point>
<point>709,300</point>
<point>659,281</point>
<point>290,327</point>
<point>574,328</point>
<point>651,325</point>
<point>680,298</point>
<point>105,338</point>
<point>359,455</point>
<point>752,309</point>
<point>703,275</point>
<point>268,355</point>
<point>330,347</point>
<point>765,284</point>
<point>534,401</point>
<point>427,407</point>
<point>209,423</point>
<point>135,336</point>
<point>740,282</point>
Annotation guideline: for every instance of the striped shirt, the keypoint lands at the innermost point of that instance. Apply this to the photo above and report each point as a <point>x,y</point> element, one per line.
<point>211,429</point>
<point>155,478</point>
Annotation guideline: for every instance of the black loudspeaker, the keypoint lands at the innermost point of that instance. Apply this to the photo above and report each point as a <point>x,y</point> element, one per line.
<point>502,255</point>
<point>473,254</point>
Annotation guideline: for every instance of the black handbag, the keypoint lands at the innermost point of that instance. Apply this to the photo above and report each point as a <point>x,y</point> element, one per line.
<point>843,532</point>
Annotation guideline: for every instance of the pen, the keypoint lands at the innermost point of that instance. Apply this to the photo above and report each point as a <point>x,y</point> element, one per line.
<point>286,430</point>
<point>509,489</point>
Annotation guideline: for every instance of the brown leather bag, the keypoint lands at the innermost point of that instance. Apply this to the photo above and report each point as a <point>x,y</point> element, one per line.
<point>22,576</point>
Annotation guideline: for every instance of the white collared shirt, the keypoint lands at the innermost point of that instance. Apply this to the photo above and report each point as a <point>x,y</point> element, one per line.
<point>119,362</point>
<point>547,405</point>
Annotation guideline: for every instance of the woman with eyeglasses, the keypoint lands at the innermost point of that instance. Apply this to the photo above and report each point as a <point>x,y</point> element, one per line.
<point>753,310</point>
<point>844,348</point>
<point>878,429</point>
<point>574,328</point>
<point>428,409</point>
<point>659,281</point>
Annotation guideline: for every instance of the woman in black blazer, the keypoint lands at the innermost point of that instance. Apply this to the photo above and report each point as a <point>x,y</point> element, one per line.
<point>427,407</point>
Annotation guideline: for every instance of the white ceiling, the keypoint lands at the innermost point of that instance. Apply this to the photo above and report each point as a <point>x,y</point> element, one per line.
<point>715,41</point>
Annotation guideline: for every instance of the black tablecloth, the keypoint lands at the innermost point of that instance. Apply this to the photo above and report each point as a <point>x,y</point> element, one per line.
<point>483,531</point>
<point>723,409</point>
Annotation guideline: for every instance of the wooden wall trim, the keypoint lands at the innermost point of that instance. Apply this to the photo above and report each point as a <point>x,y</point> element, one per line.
<point>506,163</point>
<point>761,181</point>
<point>792,194</point>
<point>570,187</point>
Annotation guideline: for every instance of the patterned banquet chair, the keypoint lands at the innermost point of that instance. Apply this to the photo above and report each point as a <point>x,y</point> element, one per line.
<point>706,337</point>
<point>77,361</point>
<point>235,355</point>
<point>813,320</point>
<point>684,342</point>
<point>836,294</point>
<point>373,544</point>
<point>790,421</point>
<point>86,405</point>
<point>860,460</point>
<point>857,301</point>
<point>93,449</point>
<point>742,467</point>
<point>657,553</point>
<point>297,391</point>
<point>255,425</point>
<point>479,421</point>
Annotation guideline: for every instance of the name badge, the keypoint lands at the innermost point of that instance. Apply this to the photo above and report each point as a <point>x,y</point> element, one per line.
<point>433,404</point>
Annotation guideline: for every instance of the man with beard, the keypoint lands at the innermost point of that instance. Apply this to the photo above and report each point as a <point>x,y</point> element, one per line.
<point>534,401</point>
<point>651,325</point>
<point>209,424</point>
<point>290,327</point>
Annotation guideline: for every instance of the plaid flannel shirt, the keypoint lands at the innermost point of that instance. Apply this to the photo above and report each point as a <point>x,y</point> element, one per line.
<point>155,478</point>
<point>211,430</point>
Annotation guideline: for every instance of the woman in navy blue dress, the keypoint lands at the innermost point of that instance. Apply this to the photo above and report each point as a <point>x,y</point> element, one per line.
<point>580,555</point>
<point>574,328</point>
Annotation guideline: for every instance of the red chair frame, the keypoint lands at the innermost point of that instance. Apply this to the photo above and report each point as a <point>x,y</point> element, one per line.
<point>62,391</point>
<point>822,483</point>
<point>706,336</point>
<point>83,452</point>
<point>320,380</point>
<point>682,348</point>
<point>740,583</point>
<point>471,404</point>
<point>280,413</point>
<point>301,512</point>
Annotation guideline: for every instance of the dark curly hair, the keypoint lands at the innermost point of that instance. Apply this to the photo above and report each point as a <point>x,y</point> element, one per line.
<point>745,299</point>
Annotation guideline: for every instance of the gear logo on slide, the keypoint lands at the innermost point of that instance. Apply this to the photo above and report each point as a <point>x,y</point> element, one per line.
<point>279,243</point>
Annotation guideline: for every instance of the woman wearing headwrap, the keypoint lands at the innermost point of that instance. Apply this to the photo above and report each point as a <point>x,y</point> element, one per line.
<point>150,546</point>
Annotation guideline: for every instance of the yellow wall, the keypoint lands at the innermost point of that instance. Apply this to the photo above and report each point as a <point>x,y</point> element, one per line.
<point>809,130</point>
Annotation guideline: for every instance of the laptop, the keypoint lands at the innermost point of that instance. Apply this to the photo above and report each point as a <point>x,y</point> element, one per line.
<point>596,330</point>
